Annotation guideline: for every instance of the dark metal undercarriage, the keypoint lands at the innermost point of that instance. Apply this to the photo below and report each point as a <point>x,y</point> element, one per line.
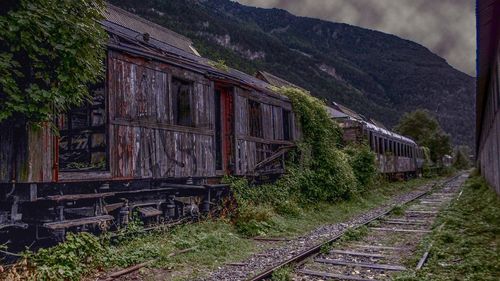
<point>42,214</point>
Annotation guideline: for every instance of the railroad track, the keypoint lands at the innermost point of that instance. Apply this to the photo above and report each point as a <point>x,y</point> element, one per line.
<point>391,237</point>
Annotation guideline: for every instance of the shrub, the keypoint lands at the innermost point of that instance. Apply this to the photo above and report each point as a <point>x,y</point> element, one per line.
<point>80,254</point>
<point>326,174</point>
<point>50,51</point>
<point>362,161</point>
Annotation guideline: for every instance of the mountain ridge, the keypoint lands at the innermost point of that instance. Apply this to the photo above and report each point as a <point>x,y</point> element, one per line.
<point>379,75</point>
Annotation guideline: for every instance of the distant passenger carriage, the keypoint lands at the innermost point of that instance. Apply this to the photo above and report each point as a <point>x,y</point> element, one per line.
<point>397,156</point>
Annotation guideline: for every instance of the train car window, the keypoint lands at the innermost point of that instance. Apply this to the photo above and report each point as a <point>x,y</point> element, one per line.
<point>182,101</point>
<point>286,125</point>
<point>83,139</point>
<point>497,86</point>
<point>380,145</point>
<point>386,145</point>
<point>370,140</point>
<point>254,119</point>
<point>218,130</point>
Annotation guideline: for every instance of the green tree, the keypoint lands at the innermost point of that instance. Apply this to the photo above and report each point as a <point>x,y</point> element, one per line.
<point>50,51</point>
<point>461,159</point>
<point>424,128</point>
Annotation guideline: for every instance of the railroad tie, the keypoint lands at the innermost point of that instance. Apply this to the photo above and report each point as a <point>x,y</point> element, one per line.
<point>354,253</point>
<point>391,267</point>
<point>404,222</point>
<point>332,275</point>
<point>400,230</point>
<point>422,212</point>
<point>377,247</point>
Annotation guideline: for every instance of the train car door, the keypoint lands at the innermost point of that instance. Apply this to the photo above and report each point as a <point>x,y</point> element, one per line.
<point>224,132</point>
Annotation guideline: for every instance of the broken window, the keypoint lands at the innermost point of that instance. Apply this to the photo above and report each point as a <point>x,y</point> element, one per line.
<point>255,119</point>
<point>83,140</point>
<point>286,125</point>
<point>182,101</point>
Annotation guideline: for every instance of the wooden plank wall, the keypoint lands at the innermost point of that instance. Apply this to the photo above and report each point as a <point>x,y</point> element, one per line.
<point>41,155</point>
<point>489,139</point>
<point>144,141</point>
<point>26,154</point>
<point>6,153</point>
<point>251,150</point>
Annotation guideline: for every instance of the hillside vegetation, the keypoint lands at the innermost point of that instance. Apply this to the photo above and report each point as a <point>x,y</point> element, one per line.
<point>379,75</point>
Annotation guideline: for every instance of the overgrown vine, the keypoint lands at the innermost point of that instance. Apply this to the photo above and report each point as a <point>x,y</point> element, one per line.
<point>320,169</point>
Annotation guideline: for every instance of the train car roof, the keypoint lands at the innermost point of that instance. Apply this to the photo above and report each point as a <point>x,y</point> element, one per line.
<point>275,80</point>
<point>337,110</point>
<point>347,111</point>
<point>384,131</point>
<point>165,45</point>
<point>160,33</point>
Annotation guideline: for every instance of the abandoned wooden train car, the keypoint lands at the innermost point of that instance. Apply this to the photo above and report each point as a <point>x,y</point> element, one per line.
<point>488,92</point>
<point>397,156</point>
<point>156,137</point>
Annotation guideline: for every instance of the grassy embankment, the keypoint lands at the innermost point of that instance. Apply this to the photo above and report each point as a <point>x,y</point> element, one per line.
<point>465,240</point>
<point>216,241</point>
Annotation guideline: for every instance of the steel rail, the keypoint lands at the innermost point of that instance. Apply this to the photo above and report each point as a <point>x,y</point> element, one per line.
<point>317,248</point>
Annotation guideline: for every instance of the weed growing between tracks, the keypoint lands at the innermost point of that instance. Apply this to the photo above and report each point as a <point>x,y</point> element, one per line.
<point>466,247</point>
<point>282,274</point>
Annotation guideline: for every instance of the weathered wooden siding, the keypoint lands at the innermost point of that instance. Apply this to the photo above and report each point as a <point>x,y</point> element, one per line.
<point>489,136</point>
<point>144,141</point>
<point>41,155</point>
<point>26,154</point>
<point>252,150</point>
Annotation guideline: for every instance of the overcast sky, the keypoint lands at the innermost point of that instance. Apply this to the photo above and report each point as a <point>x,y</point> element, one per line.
<point>446,27</point>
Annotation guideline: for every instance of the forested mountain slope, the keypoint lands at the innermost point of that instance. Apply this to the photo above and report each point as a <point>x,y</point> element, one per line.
<point>379,75</point>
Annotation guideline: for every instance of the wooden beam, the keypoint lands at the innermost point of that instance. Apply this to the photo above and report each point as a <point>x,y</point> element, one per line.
<point>391,267</point>
<point>77,222</point>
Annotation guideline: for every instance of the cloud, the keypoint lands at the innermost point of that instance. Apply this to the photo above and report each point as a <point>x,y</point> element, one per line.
<point>446,27</point>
